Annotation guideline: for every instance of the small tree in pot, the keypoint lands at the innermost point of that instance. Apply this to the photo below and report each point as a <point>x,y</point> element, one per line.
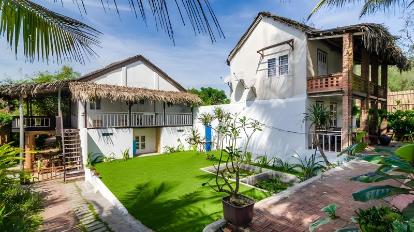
<point>237,209</point>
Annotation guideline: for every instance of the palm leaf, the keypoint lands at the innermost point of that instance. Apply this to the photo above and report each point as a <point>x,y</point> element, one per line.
<point>378,192</point>
<point>369,7</point>
<point>44,33</point>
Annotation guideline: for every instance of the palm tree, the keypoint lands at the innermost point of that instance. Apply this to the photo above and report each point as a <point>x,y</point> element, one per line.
<point>319,117</point>
<point>369,6</point>
<point>44,35</point>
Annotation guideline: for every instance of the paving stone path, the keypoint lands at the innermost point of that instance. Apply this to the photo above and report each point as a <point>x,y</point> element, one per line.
<point>302,207</point>
<point>66,210</point>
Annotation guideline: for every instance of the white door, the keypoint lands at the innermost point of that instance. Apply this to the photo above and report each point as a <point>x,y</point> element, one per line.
<point>144,140</point>
<point>322,63</point>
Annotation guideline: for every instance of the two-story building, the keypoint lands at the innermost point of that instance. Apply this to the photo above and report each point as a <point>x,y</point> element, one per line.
<point>279,67</point>
<point>128,107</point>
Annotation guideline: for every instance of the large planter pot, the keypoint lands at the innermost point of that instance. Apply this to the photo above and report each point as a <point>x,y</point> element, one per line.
<point>239,216</point>
<point>384,140</point>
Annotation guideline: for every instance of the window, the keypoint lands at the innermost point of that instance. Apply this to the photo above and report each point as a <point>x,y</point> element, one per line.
<point>271,67</point>
<point>283,65</point>
<point>169,104</point>
<point>333,114</point>
<point>322,62</point>
<point>95,105</point>
<point>140,142</point>
<point>278,69</point>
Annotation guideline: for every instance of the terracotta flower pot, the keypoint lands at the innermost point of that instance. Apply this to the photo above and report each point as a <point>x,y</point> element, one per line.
<point>239,216</point>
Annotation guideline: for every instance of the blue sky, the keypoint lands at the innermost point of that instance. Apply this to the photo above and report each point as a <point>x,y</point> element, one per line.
<point>194,61</point>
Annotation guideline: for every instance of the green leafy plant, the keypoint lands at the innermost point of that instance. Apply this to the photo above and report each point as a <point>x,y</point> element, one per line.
<point>319,117</point>
<point>19,205</point>
<point>109,157</point>
<point>377,219</point>
<point>248,158</point>
<point>93,159</point>
<point>401,122</point>
<point>281,165</point>
<point>308,166</point>
<point>206,118</point>
<point>169,149</point>
<point>5,119</point>
<point>395,166</point>
<point>330,211</point>
<point>125,154</point>
<point>264,161</point>
<point>273,185</point>
<point>210,156</point>
<point>194,139</point>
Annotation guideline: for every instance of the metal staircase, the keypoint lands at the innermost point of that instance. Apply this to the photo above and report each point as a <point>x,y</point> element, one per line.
<point>72,155</point>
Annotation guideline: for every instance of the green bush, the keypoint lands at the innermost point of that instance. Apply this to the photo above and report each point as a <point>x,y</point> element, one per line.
<point>377,219</point>
<point>5,119</point>
<point>402,122</point>
<point>19,205</point>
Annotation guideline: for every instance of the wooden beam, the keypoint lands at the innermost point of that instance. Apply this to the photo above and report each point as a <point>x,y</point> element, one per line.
<point>288,42</point>
<point>333,36</point>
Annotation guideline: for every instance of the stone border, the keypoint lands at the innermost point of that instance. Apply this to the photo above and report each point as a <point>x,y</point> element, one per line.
<point>261,173</point>
<point>99,186</point>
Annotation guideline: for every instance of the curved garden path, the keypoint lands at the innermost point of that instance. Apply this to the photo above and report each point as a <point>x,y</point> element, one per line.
<point>295,210</point>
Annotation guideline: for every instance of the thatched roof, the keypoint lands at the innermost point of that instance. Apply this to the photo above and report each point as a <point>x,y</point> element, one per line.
<point>88,91</point>
<point>376,38</point>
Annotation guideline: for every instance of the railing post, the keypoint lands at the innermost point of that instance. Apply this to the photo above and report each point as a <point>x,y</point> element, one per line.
<point>165,122</point>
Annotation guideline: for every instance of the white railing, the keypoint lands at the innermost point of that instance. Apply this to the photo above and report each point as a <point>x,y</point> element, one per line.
<point>109,120</point>
<point>178,119</point>
<point>138,119</point>
<point>329,141</point>
<point>37,122</point>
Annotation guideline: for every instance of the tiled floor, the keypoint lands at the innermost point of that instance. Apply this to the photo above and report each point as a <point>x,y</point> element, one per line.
<point>302,207</point>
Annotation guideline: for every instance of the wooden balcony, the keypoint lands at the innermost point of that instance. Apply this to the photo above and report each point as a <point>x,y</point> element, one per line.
<point>139,119</point>
<point>328,83</point>
<point>34,123</point>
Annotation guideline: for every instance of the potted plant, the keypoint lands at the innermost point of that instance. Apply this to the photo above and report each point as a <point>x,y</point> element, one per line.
<point>237,208</point>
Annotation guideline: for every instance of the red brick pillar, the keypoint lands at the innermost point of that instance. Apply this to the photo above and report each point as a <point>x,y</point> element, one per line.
<point>365,102</point>
<point>374,74</point>
<point>384,85</point>
<point>347,69</point>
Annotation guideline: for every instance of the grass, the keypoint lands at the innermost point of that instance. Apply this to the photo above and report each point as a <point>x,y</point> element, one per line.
<point>165,192</point>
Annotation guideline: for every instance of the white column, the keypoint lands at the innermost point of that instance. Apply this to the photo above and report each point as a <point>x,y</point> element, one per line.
<point>59,102</point>
<point>21,131</point>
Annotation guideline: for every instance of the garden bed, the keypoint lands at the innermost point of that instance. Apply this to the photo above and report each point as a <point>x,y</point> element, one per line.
<point>258,177</point>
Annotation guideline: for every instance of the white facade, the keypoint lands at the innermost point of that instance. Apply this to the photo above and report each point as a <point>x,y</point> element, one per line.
<point>111,128</point>
<point>269,70</point>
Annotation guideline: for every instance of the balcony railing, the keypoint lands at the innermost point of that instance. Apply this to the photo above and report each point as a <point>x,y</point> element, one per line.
<point>359,84</point>
<point>330,141</point>
<point>139,119</point>
<point>328,83</point>
<point>35,123</point>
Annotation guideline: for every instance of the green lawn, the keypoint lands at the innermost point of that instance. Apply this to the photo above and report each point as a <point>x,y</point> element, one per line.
<point>165,192</point>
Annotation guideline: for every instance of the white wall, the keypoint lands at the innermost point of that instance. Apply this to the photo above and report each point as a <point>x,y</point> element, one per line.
<point>286,114</point>
<point>247,64</point>
<point>119,140</point>
<point>334,57</point>
<point>137,74</point>
<point>171,135</point>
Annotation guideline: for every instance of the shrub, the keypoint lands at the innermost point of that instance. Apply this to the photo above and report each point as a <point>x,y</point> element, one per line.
<point>402,122</point>
<point>308,166</point>
<point>273,185</point>
<point>94,158</point>
<point>5,119</point>
<point>19,205</point>
<point>377,219</point>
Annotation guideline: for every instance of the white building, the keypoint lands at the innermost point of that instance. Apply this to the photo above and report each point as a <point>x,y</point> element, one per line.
<point>279,67</point>
<point>128,107</point>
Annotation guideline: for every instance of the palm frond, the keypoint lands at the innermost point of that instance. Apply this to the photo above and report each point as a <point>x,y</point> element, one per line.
<point>369,7</point>
<point>44,33</point>
<point>199,14</point>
